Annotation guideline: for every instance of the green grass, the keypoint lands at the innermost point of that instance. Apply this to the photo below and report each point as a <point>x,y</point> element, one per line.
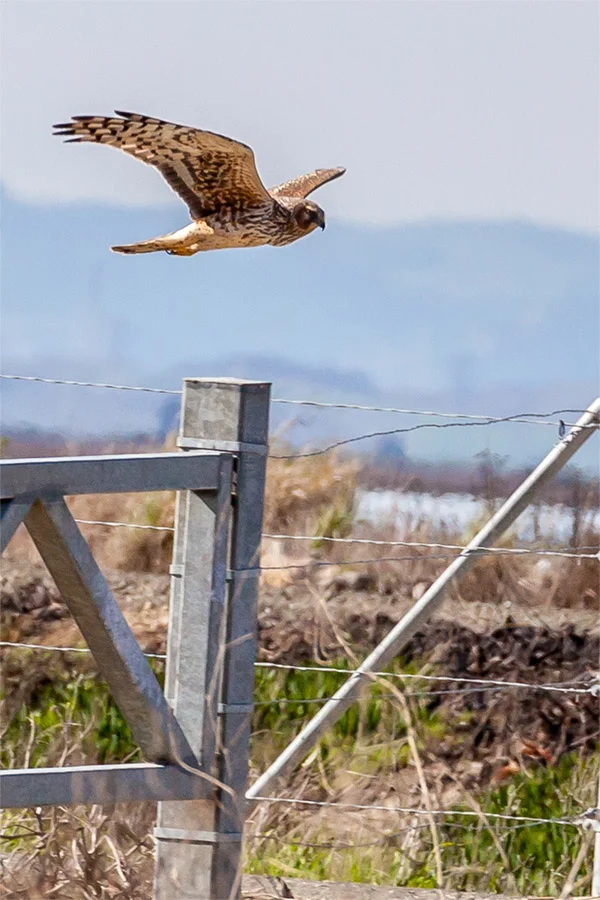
<point>70,720</point>
<point>539,857</point>
<point>79,714</point>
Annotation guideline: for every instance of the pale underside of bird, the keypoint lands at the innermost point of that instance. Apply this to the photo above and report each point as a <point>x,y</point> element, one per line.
<point>216,177</point>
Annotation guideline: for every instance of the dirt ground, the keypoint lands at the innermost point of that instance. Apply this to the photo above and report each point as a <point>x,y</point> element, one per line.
<point>260,888</point>
<point>317,618</point>
<point>303,622</point>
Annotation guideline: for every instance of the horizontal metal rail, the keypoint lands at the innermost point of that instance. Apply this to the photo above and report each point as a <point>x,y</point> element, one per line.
<point>127,473</point>
<point>99,784</point>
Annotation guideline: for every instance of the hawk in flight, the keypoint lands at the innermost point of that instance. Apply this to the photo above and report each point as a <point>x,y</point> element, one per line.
<point>216,177</point>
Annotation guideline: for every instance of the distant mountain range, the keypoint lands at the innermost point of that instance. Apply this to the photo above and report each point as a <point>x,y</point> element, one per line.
<point>492,318</point>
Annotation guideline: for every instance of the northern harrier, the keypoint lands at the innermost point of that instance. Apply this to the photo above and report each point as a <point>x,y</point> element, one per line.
<point>216,177</point>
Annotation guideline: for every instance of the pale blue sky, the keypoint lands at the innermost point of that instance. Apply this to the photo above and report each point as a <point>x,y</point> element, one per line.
<point>476,109</point>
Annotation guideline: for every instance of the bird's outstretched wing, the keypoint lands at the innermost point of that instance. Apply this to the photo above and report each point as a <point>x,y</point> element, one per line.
<point>304,185</point>
<point>208,171</point>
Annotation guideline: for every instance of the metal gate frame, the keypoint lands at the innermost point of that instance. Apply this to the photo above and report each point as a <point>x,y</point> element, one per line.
<point>33,492</point>
<point>196,735</point>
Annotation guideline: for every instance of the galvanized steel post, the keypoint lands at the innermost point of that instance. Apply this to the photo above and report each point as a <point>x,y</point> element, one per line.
<point>199,853</point>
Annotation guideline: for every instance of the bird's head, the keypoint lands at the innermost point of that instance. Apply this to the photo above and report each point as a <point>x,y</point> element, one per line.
<point>309,216</point>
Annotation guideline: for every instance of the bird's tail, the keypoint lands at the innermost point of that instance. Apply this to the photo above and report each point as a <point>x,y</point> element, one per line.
<point>179,243</point>
<point>150,246</point>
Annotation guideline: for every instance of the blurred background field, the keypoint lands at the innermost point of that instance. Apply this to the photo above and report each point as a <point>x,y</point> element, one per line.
<point>406,743</point>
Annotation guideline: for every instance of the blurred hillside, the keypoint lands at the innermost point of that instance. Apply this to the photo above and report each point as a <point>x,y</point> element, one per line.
<point>485,318</point>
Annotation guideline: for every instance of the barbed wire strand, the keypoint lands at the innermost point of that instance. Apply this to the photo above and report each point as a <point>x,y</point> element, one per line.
<point>522,418</point>
<point>385,696</point>
<point>319,564</point>
<point>507,817</point>
<point>422,412</point>
<point>385,838</point>
<point>559,687</point>
<point>563,551</point>
<point>573,553</point>
<point>343,442</point>
<point>53,648</point>
<point>88,384</point>
<point>484,683</point>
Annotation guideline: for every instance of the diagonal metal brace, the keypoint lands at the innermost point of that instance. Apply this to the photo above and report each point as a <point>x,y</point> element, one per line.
<point>116,651</point>
<point>13,513</point>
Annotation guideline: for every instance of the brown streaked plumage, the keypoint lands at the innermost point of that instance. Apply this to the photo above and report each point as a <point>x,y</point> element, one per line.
<point>216,177</point>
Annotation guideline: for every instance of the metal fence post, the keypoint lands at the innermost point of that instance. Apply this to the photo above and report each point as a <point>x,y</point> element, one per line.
<point>184,832</point>
<point>200,842</point>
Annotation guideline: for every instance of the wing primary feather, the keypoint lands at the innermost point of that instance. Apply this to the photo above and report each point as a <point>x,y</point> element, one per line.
<point>206,169</point>
<point>138,117</point>
<point>306,184</point>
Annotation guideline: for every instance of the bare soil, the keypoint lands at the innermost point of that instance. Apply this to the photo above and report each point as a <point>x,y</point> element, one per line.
<point>305,621</point>
<point>260,888</point>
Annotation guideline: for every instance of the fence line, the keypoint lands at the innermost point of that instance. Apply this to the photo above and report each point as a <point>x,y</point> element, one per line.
<point>343,442</point>
<point>227,856</point>
<point>592,688</point>
<point>426,412</point>
<point>319,564</point>
<point>416,811</point>
<point>521,418</point>
<point>561,687</point>
<point>396,639</point>
<point>89,384</point>
<point>573,553</point>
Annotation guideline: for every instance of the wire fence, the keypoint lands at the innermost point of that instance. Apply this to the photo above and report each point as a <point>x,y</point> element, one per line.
<point>524,418</point>
<point>566,553</point>
<point>419,811</point>
<point>587,685</point>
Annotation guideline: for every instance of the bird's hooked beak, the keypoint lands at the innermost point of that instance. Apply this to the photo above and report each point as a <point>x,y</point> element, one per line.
<point>321,220</point>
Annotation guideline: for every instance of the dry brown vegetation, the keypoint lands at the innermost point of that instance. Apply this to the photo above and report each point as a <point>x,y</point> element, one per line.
<point>503,620</point>
<point>316,496</point>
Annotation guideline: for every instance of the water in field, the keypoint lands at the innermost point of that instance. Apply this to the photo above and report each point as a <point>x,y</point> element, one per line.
<point>460,513</point>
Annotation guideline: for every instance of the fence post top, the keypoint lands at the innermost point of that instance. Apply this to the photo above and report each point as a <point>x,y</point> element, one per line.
<point>226,382</point>
<point>217,413</point>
